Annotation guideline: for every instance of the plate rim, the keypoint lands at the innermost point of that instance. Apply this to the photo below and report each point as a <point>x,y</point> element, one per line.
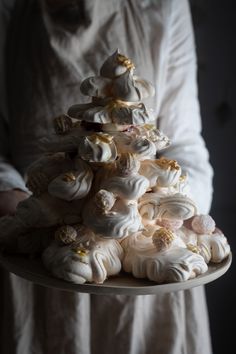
<point>109,287</point>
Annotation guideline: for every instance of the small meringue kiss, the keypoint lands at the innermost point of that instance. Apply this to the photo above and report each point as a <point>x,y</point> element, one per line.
<point>203,224</point>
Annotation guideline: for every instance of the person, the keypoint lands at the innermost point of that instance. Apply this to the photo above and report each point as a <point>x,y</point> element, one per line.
<point>47,48</point>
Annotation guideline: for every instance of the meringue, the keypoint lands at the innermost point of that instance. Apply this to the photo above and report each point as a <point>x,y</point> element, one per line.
<point>132,187</point>
<point>121,220</point>
<point>127,184</point>
<point>92,261</point>
<point>98,148</point>
<point>177,206</point>
<point>115,65</point>
<point>41,172</point>
<point>163,239</point>
<point>74,184</point>
<point>101,199</point>
<point>149,205</point>
<point>162,172</point>
<point>143,260</point>
<point>213,247</point>
<point>203,224</point>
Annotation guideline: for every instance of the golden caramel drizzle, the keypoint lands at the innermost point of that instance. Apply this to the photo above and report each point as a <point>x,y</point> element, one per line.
<point>81,251</point>
<point>123,60</point>
<point>182,178</point>
<point>115,104</point>
<point>193,248</point>
<point>166,163</point>
<point>149,126</point>
<point>69,177</point>
<point>166,235</point>
<point>162,238</point>
<point>97,138</point>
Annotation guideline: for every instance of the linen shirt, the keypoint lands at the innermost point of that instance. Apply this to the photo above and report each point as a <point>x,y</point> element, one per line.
<point>42,64</point>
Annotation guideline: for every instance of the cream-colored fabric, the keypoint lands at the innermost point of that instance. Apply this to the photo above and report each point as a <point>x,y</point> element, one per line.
<point>158,36</point>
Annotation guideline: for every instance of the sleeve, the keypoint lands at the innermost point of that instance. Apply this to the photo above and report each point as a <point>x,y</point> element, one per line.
<point>179,111</point>
<point>9,176</point>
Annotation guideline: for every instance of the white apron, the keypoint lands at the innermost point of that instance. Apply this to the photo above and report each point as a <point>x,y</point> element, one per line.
<point>45,64</point>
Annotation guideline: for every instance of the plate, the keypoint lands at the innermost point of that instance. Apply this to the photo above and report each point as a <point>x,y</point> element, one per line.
<point>34,271</point>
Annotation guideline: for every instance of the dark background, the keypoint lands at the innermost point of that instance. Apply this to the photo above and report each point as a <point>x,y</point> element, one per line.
<point>215,32</point>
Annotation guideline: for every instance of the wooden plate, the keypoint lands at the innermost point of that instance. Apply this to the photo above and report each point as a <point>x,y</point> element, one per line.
<point>33,270</point>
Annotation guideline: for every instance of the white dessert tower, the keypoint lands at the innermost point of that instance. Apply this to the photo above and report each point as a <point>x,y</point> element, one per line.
<point>101,199</point>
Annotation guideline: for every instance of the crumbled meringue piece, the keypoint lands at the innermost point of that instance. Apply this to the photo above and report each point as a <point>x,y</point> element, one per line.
<point>66,234</point>
<point>163,239</point>
<point>104,200</point>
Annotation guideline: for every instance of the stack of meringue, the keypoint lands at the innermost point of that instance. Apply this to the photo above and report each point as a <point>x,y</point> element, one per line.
<point>101,199</point>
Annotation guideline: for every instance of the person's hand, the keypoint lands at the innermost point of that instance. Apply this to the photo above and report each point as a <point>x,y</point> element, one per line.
<point>10,199</point>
